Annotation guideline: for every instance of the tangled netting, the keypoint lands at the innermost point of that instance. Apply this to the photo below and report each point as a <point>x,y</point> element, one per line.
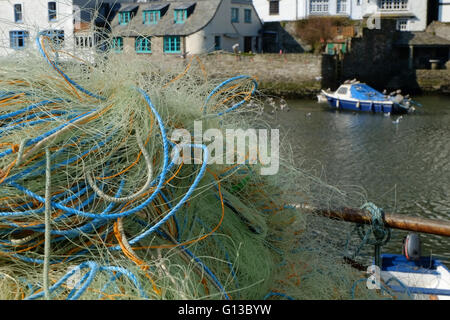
<point>95,205</point>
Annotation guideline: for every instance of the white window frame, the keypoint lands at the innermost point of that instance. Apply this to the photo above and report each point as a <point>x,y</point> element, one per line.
<point>402,24</point>
<point>341,6</point>
<point>319,6</point>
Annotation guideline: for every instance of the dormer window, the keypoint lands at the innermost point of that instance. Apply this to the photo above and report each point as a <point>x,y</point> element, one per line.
<point>151,16</point>
<point>124,18</point>
<point>182,12</point>
<point>180,15</point>
<point>126,14</point>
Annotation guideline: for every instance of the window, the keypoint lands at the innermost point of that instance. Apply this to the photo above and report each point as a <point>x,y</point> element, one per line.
<point>341,6</point>
<point>56,36</point>
<point>342,90</point>
<point>124,17</point>
<point>319,6</point>
<point>143,45</point>
<point>402,24</point>
<point>18,13</point>
<point>52,11</point>
<point>84,41</point>
<point>180,15</point>
<point>248,16</point>
<point>217,43</point>
<point>234,14</point>
<point>274,7</point>
<point>151,16</point>
<point>18,39</point>
<point>172,44</point>
<point>393,4</point>
<point>117,44</point>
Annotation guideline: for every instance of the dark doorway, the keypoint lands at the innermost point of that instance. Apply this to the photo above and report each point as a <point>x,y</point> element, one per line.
<point>247,44</point>
<point>433,11</point>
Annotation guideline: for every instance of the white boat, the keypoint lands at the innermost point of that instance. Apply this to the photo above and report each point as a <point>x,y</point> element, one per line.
<point>425,278</point>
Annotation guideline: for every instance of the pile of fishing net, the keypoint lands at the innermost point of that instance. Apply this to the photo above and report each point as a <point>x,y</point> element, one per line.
<point>95,204</point>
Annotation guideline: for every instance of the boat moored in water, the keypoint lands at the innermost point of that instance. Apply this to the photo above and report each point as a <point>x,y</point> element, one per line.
<point>356,96</point>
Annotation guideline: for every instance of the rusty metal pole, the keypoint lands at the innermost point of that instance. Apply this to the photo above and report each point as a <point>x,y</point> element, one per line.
<point>395,221</point>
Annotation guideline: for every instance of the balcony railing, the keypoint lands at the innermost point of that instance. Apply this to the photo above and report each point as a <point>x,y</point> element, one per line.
<point>393,5</point>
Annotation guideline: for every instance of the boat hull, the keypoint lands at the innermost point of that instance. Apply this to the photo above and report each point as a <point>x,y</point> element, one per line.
<point>364,106</point>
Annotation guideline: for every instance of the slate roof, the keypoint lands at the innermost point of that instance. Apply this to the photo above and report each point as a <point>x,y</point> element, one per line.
<point>424,39</point>
<point>203,13</point>
<point>128,7</point>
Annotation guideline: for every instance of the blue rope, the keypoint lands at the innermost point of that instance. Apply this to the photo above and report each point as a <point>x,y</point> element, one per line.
<point>76,85</point>
<point>235,106</point>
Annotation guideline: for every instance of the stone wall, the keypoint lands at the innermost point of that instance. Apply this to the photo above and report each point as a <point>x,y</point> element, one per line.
<point>440,29</point>
<point>291,75</point>
<point>434,81</point>
<point>375,59</point>
<point>372,58</point>
<point>304,75</point>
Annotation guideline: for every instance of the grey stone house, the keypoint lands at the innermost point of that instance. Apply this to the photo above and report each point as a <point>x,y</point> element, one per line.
<point>186,27</point>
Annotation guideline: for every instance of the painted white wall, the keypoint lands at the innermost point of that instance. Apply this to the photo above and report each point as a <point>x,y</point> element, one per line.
<point>221,25</point>
<point>291,10</point>
<point>420,9</point>
<point>288,10</point>
<point>444,10</point>
<point>35,18</point>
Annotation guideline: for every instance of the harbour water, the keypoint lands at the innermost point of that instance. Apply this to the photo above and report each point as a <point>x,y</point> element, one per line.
<point>402,167</point>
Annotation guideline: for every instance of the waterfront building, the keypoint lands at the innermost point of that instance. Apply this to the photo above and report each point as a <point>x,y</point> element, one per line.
<point>411,15</point>
<point>70,23</point>
<point>186,27</point>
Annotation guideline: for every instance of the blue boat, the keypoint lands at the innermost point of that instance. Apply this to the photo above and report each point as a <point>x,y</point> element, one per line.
<point>356,96</point>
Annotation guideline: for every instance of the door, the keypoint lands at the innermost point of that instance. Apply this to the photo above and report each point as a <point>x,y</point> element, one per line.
<point>247,44</point>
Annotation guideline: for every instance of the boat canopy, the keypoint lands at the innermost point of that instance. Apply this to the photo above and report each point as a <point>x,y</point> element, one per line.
<point>362,91</point>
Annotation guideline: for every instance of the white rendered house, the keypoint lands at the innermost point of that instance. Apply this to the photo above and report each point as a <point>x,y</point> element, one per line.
<point>411,15</point>
<point>21,20</point>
